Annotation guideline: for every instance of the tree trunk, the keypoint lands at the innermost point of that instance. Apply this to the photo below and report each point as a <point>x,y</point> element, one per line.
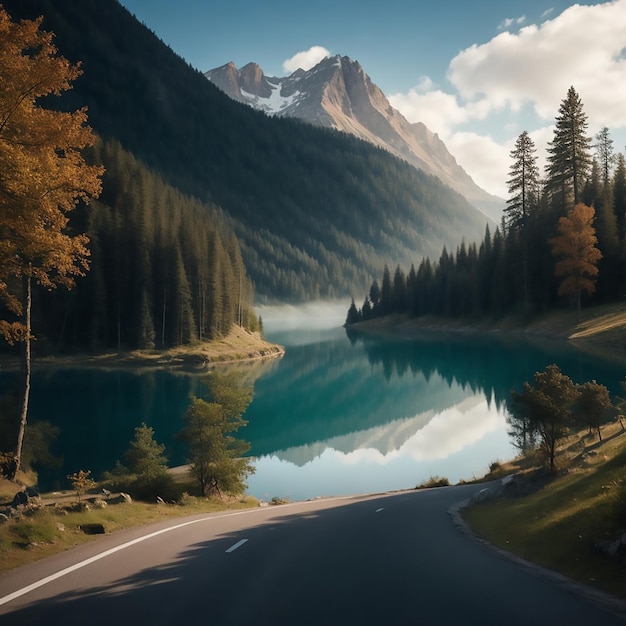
<point>25,368</point>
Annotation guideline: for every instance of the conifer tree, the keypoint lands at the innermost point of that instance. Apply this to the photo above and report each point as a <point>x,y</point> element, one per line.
<point>619,195</point>
<point>374,297</point>
<point>386,298</point>
<point>216,456</point>
<point>146,457</point>
<point>605,154</point>
<point>523,183</point>
<point>568,154</point>
<point>353,314</point>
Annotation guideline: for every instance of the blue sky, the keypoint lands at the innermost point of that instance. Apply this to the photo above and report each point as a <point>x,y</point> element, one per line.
<point>476,72</point>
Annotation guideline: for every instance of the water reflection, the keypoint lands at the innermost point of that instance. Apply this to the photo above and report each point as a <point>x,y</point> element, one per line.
<point>358,414</point>
<point>335,415</point>
<point>350,417</point>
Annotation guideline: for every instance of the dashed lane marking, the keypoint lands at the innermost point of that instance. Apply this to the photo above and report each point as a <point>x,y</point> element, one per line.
<point>236,545</point>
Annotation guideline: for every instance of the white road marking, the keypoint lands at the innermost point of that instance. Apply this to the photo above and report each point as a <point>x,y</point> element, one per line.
<point>68,570</point>
<point>382,508</point>
<point>97,557</point>
<point>236,545</point>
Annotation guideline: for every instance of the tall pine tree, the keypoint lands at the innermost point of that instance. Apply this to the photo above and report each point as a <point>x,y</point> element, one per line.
<point>569,156</point>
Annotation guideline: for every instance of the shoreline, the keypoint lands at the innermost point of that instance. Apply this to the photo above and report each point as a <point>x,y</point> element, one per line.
<point>238,346</point>
<point>600,330</point>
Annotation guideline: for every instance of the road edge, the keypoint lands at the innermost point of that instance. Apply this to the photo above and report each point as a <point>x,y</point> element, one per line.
<point>608,602</point>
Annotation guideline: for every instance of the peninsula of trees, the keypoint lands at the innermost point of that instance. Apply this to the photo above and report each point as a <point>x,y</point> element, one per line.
<point>562,239</point>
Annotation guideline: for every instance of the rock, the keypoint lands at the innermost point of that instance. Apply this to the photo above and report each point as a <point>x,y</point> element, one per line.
<point>482,495</point>
<point>3,518</point>
<point>60,527</point>
<point>615,549</point>
<point>99,503</point>
<point>20,499</point>
<point>92,529</point>
<point>160,500</point>
<point>122,498</point>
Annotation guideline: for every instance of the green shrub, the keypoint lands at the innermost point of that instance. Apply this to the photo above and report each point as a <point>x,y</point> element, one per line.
<point>434,481</point>
<point>495,466</point>
<point>187,500</point>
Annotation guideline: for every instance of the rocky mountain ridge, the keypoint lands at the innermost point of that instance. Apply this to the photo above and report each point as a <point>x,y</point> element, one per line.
<point>337,93</point>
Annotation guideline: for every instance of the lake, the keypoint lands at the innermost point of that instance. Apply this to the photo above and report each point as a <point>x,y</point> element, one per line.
<point>336,415</point>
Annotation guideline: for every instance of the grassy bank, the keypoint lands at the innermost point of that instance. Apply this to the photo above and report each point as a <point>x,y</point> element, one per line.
<point>595,329</point>
<point>56,521</point>
<point>557,520</point>
<point>238,346</point>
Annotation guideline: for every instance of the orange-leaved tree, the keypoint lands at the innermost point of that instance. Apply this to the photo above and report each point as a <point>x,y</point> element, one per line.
<point>575,244</point>
<point>43,176</point>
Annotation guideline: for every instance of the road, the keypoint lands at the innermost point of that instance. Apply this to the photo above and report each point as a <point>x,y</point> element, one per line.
<point>383,559</point>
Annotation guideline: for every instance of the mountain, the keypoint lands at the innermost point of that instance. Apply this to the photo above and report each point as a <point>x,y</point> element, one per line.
<point>337,93</point>
<point>317,213</point>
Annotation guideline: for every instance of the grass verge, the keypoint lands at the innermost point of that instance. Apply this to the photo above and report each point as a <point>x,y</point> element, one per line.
<point>558,524</point>
<point>56,522</point>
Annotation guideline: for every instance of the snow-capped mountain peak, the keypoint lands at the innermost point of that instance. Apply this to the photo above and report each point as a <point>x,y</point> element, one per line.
<point>337,93</point>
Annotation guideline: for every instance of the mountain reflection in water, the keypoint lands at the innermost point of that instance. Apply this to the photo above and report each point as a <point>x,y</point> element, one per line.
<point>343,415</point>
<point>338,414</point>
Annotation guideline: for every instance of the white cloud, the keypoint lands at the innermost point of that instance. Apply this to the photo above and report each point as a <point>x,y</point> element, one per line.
<point>305,59</point>
<point>511,21</point>
<point>486,160</point>
<point>440,111</point>
<point>529,70</point>
<point>581,47</point>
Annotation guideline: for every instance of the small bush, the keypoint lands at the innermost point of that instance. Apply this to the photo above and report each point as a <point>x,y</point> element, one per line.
<point>81,482</point>
<point>276,501</point>
<point>434,481</point>
<point>495,466</point>
<point>187,500</point>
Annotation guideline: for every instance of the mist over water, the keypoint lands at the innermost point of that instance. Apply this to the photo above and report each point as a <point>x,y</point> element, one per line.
<point>338,414</point>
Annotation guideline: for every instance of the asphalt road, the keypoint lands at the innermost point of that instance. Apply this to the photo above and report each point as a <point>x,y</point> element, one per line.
<point>387,559</point>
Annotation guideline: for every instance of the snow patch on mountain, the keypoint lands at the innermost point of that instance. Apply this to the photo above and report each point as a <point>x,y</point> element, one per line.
<point>338,94</point>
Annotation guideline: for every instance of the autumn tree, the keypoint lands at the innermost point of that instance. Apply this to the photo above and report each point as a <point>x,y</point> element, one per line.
<point>575,244</point>
<point>569,156</point>
<point>43,176</point>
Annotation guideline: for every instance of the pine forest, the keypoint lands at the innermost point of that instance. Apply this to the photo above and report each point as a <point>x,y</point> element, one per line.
<point>562,240</point>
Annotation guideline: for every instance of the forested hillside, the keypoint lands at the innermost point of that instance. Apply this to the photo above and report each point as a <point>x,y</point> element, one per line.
<point>316,212</point>
<point>164,268</point>
<point>562,242</point>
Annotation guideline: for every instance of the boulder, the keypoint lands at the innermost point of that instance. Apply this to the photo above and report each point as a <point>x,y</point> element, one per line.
<point>122,498</point>
<point>20,499</point>
<point>92,529</point>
